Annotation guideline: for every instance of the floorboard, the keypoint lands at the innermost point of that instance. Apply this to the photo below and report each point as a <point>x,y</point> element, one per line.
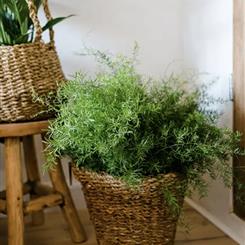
<point>200,231</point>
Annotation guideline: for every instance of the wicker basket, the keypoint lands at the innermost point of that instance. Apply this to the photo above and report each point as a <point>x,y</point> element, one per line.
<point>123,215</point>
<point>28,69</point>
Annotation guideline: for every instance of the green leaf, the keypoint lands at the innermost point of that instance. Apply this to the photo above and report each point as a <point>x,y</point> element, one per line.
<point>55,21</point>
<point>38,3</point>
<point>23,38</point>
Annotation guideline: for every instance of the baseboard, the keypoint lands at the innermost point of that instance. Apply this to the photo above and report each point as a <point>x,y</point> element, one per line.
<point>215,221</point>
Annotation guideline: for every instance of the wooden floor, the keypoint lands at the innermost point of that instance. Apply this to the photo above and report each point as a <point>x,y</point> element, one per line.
<point>55,232</point>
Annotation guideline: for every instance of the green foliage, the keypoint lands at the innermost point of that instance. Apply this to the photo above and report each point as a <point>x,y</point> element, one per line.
<point>16,27</point>
<point>172,201</point>
<point>116,124</point>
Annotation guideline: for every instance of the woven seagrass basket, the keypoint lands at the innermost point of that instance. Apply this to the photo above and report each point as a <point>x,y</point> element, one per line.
<point>123,215</point>
<point>26,70</point>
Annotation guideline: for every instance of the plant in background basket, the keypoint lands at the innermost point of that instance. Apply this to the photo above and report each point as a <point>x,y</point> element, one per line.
<point>16,25</point>
<point>27,64</point>
<point>137,149</point>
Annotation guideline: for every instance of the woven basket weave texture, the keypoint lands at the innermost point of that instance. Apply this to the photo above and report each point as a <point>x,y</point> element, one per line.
<point>26,70</point>
<point>124,215</point>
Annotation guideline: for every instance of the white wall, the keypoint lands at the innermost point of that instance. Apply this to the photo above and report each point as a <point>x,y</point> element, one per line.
<point>208,46</point>
<point>115,26</point>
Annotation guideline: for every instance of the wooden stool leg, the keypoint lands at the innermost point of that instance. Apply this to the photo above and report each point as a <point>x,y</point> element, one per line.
<point>32,172</point>
<point>68,208</point>
<point>14,191</point>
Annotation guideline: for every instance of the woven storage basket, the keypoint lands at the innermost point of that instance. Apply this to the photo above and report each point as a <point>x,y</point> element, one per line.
<point>27,70</point>
<point>122,215</point>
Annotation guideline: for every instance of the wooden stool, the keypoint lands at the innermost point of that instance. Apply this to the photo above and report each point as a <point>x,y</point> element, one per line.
<point>11,200</point>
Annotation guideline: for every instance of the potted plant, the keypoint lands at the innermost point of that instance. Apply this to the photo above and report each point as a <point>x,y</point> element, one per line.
<point>137,149</point>
<point>28,65</point>
<point>16,25</point>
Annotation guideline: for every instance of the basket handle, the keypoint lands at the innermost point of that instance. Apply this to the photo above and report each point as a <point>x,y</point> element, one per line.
<point>36,22</point>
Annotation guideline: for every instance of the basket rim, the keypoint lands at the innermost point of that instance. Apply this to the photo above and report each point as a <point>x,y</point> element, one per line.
<point>29,44</point>
<point>174,175</point>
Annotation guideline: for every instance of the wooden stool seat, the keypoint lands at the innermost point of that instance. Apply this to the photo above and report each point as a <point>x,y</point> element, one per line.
<point>41,196</point>
<point>22,129</point>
